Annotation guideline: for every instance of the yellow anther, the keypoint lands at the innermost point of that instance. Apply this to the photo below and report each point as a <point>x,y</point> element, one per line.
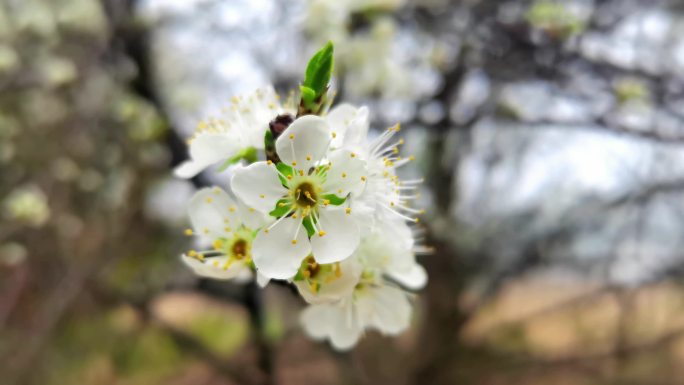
<point>363,178</point>
<point>192,253</point>
<point>306,273</point>
<point>251,210</point>
<point>217,244</point>
<point>347,210</point>
<point>291,136</point>
<point>262,196</point>
<point>289,177</point>
<point>339,191</point>
<point>353,155</point>
<point>395,150</point>
<point>266,231</point>
<point>210,199</point>
<point>232,209</point>
<point>216,263</point>
<point>321,233</point>
<point>338,270</point>
<point>308,157</point>
<point>392,204</point>
<point>188,232</point>
<point>294,216</point>
<point>326,202</point>
<point>412,157</point>
<point>334,134</point>
<point>344,175</point>
<point>294,241</point>
<point>268,162</point>
<point>294,163</point>
<point>401,141</point>
<point>301,172</point>
<point>205,230</point>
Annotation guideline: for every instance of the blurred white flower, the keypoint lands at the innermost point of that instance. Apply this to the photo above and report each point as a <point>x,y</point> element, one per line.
<point>327,283</point>
<point>27,204</point>
<point>306,193</point>
<point>375,306</point>
<point>228,227</point>
<point>237,134</point>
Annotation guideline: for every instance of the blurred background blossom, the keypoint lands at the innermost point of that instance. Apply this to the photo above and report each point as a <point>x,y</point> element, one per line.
<point>551,134</point>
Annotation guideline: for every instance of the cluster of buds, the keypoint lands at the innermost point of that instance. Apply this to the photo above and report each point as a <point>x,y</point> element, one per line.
<point>324,208</point>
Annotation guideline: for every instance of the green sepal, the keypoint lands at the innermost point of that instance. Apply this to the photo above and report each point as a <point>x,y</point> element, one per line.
<point>308,225</point>
<point>308,96</point>
<point>334,199</point>
<point>249,154</point>
<point>285,170</point>
<point>279,211</point>
<point>299,276</point>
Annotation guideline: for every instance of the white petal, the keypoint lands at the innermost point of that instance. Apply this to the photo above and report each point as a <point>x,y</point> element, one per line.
<point>258,186</point>
<point>347,174</point>
<point>251,217</point>
<point>330,321</point>
<point>318,320</point>
<point>207,149</point>
<point>343,118</point>
<point>274,253</point>
<point>209,269</point>
<point>262,280</point>
<point>210,213</point>
<point>304,142</point>
<point>341,236</point>
<point>358,130</point>
<point>413,278</point>
<point>189,169</point>
<point>386,308</point>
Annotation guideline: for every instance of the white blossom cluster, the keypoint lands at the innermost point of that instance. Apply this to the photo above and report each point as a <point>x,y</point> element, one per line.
<point>325,211</point>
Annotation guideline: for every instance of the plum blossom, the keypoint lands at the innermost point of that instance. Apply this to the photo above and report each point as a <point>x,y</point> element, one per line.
<point>342,315</point>
<point>218,220</point>
<point>239,133</point>
<point>308,193</point>
<point>371,305</point>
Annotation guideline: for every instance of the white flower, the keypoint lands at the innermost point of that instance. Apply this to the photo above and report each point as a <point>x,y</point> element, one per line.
<point>328,283</point>
<point>308,192</point>
<point>228,226</point>
<point>240,131</point>
<point>386,197</point>
<point>371,306</point>
<point>390,250</point>
<point>342,315</point>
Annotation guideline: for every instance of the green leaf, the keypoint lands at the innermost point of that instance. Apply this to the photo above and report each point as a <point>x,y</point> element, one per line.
<point>319,70</point>
<point>334,199</point>
<point>308,225</point>
<point>249,154</point>
<point>281,209</point>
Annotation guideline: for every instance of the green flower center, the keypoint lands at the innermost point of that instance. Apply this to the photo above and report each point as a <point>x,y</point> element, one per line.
<point>305,195</point>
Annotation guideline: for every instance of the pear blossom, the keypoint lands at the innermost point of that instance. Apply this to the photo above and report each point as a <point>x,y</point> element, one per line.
<point>218,220</point>
<point>308,194</point>
<point>236,134</point>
